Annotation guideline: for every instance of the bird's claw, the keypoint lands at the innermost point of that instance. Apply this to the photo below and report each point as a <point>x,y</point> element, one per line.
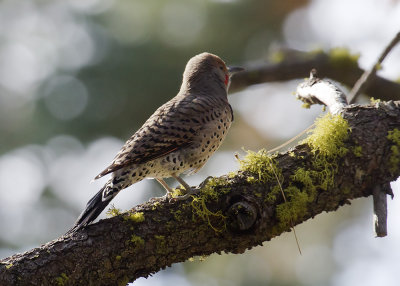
<point>202,184</point>
<point>191,191</point>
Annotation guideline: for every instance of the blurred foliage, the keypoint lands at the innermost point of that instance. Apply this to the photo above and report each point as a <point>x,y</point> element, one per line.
<point>140,50</point>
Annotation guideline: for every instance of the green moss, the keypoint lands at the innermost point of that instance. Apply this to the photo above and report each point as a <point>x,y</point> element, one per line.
<point>211,191</point>
<point>232,175</point>
<point>214,187</point>
<point>328,136</point>
<point>62,279</point>
<point>155,205</point>
<point>341,57</point>
<point>260,163</point>
<point>374,101</point>
<point>137,240</point>
<point>8,266</point>
<point>113,211</point>
<point>161,244</point>
<point>118,257</point>
<point>346,190</point>
<point>357,151</point>
<point>200,210</point>
<point>327,146</point>
<point>394,159</point>
<point>136,217</point>
<point>178,215</point>
<point>277,57</point>
<point>316,51</point>
<point>124,281</point>
<point>177,192</point>
<point>295,208</point>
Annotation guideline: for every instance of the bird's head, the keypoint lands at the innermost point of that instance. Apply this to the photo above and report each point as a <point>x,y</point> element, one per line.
<point>207,73</point>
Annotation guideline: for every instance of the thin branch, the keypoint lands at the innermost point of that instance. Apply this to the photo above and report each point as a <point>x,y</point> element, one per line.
<point>343,68</point>
<point>233,214</point>
<point>380,210</point>
<point>368,76</point>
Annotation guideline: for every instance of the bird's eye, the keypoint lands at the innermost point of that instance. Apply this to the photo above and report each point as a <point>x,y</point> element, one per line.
<point>221,68</point>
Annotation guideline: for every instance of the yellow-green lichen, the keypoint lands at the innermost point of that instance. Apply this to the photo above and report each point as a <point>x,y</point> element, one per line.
<point>113,211</point>
<point>316,51</point>
<point>210,192</point>
<point>374,101</point>
<point>155,206</point>
<point>118,257</point>
<point>200,210</point>
<point>277,57</point>
<point>124,281</point>
<point>137,240</point>
<point>62,279</point>
<point>327,145</point>
<point>328,136</point>
<point>232,175</point>
<point>161,244</point>
<point>264,166</point>
<point>295,208</point>
<point>178,192</point>
<point>136,217</point>
<point>260,163</point>
<point>177,215</point>
<point>357,151</point>
<point>394,159</point>
<point>340,57</point>
<point>8,266</point>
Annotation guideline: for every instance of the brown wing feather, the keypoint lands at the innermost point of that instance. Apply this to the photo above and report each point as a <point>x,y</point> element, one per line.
<point>164,132</point>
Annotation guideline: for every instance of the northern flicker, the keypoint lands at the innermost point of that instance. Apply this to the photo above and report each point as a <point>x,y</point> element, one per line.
<point>178,138</point>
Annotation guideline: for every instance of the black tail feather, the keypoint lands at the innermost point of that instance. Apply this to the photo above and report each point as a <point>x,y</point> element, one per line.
<point>93,209</point>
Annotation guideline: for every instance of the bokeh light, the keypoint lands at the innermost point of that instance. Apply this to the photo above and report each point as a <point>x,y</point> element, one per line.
<point>77,78</point>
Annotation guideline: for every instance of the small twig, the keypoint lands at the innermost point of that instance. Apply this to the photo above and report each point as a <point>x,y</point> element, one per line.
<point>291,139</point>
<point>368,76</point>
<point>318,91</point>
<point>379,195</point>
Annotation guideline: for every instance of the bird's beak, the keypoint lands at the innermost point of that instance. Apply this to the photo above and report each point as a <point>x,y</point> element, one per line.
<point>233,70</point>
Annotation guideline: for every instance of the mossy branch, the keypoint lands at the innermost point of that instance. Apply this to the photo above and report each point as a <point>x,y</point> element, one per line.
<point>232,213</point>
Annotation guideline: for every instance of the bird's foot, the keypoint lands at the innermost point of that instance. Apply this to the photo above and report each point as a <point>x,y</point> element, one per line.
<point>165,197</point>
<point>189,192</point>
<point>202,184</point>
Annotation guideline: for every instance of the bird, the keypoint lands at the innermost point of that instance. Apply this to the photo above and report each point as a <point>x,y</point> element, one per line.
<point>178,138</point>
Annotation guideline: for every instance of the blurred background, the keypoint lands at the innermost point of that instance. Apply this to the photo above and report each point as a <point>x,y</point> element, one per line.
<point>77,78</point>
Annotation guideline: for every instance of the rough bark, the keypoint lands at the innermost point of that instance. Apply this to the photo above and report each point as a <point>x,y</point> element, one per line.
<point>342,68</point>
<point>123,248</point>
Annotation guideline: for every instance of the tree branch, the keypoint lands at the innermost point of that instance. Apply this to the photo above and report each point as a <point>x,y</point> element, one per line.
<point>232,213</point>
<point>338,65</point>
<point>368,76</point>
